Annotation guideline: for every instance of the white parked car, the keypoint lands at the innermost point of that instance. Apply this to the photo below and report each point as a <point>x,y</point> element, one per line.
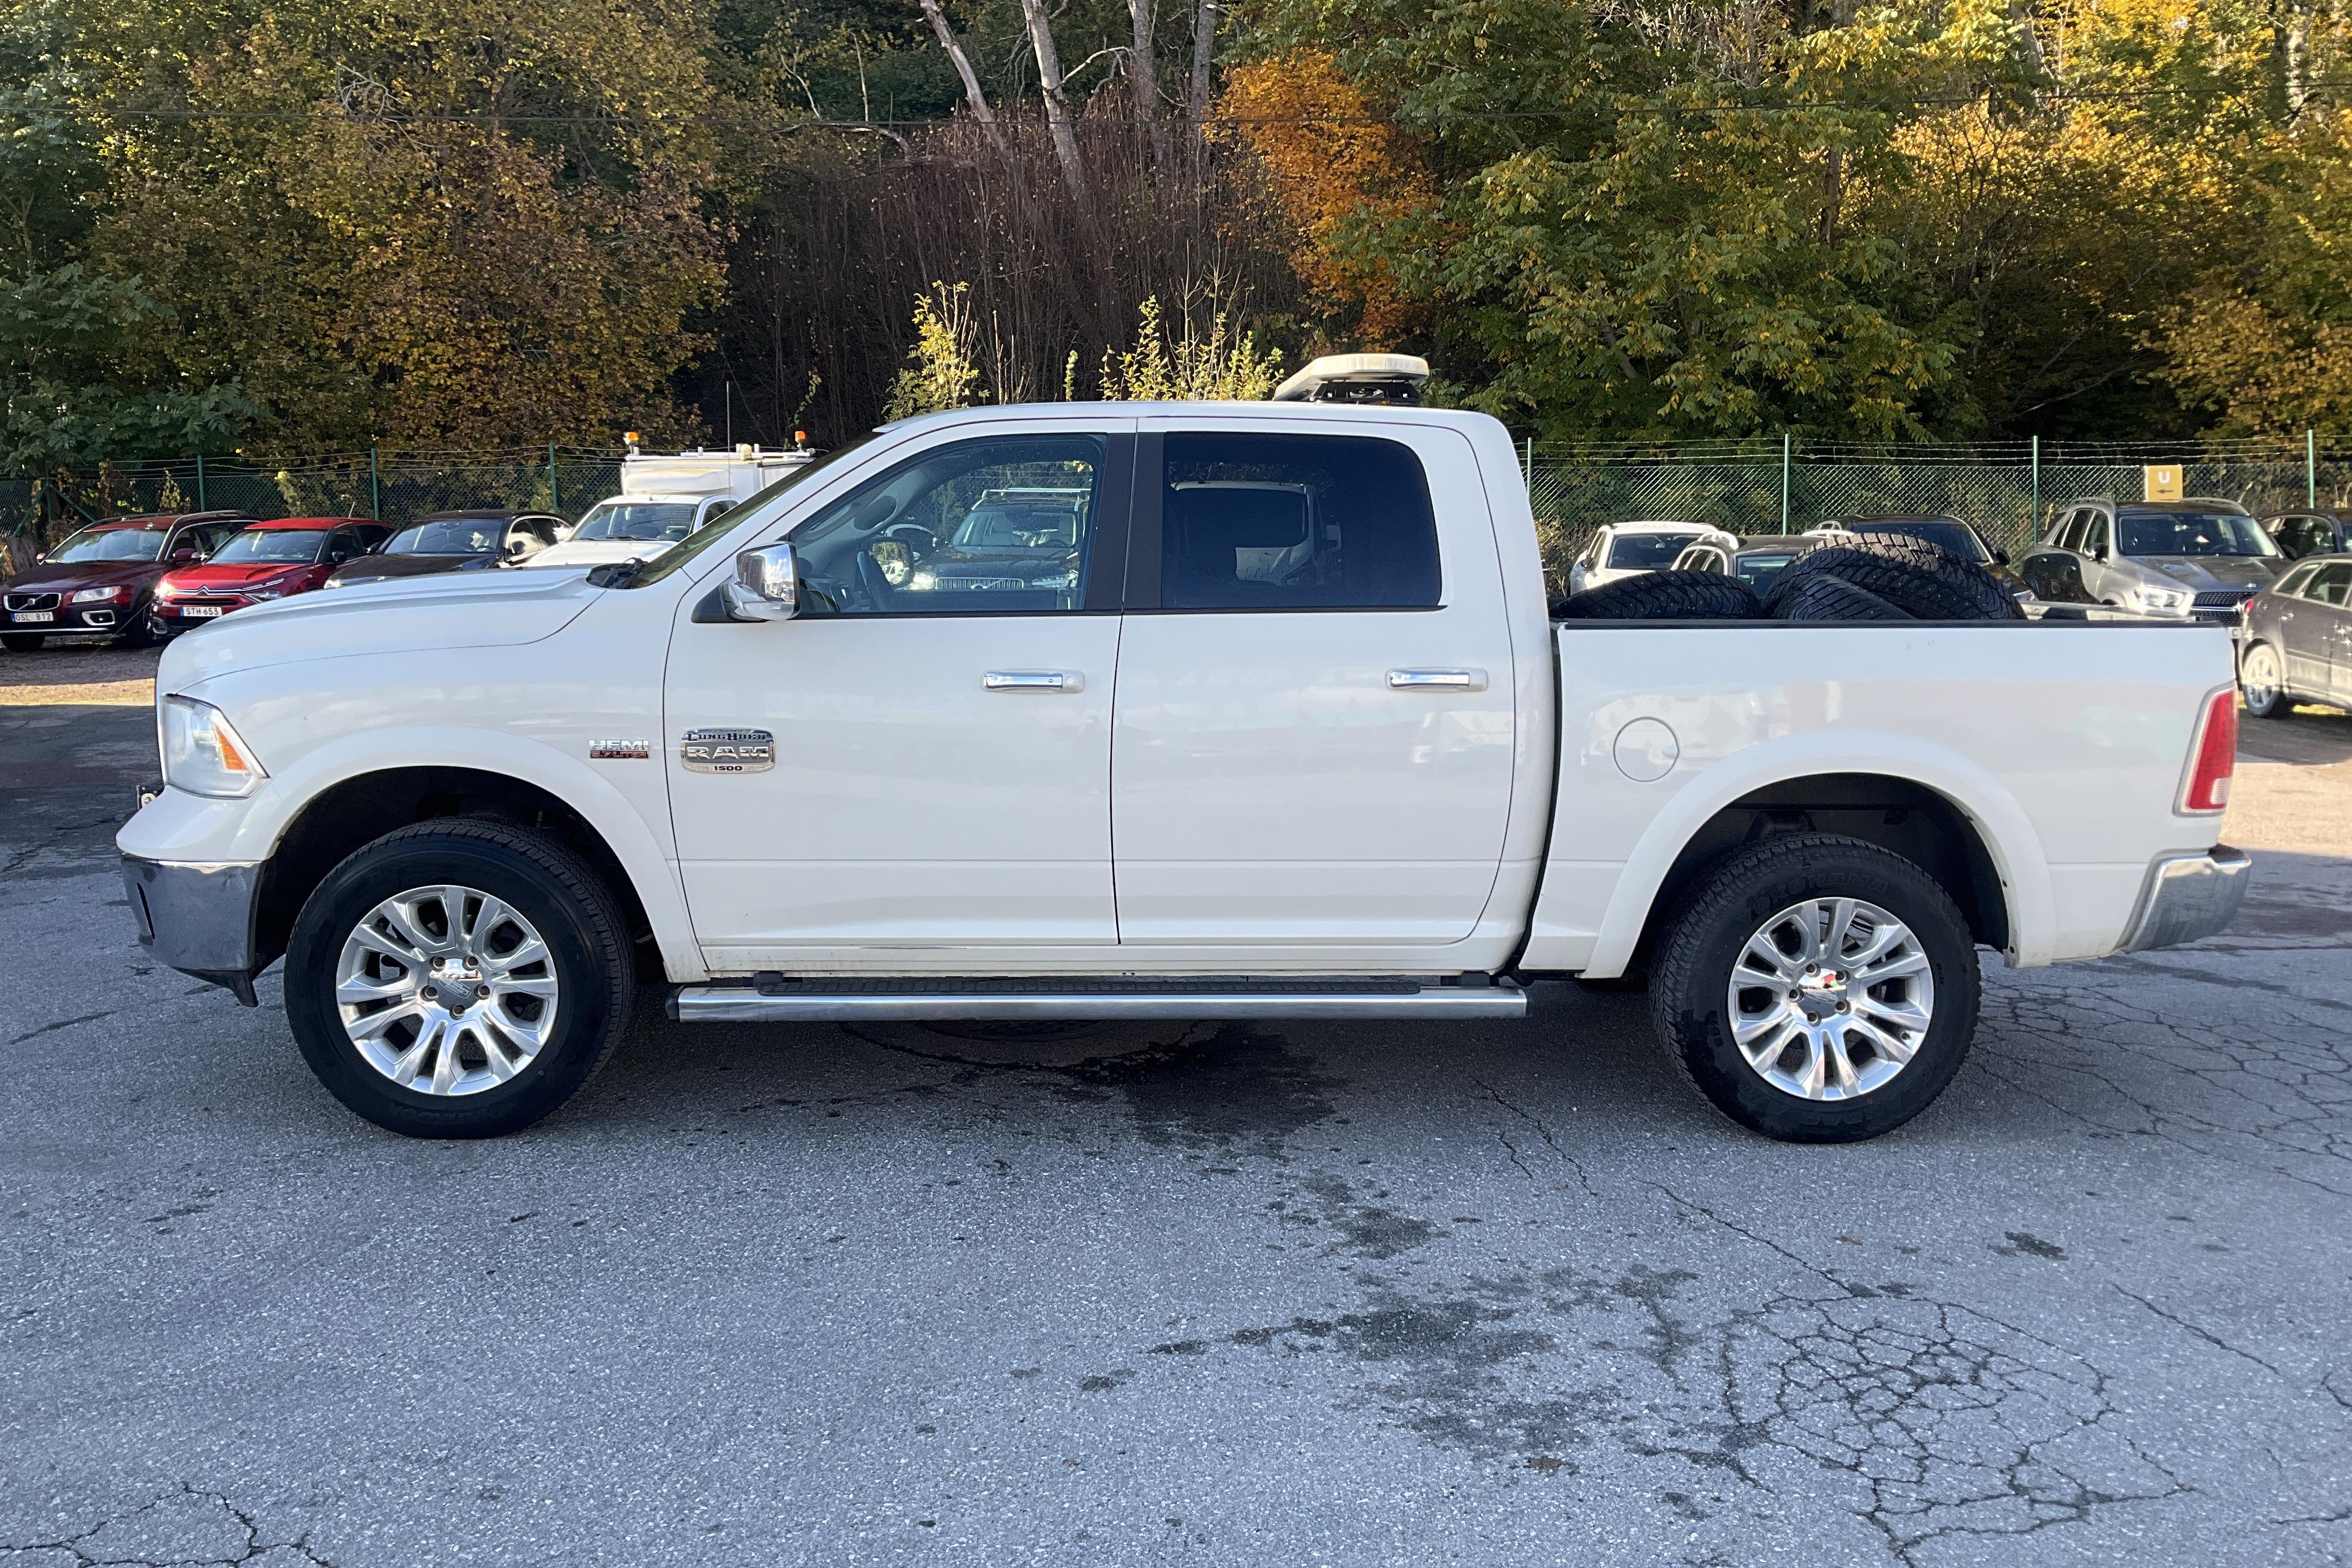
<point>1628,549</point>
<point>664,497</point>
<point>1306,746</point>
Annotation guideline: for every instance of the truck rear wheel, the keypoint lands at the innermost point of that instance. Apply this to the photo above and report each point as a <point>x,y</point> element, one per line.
<point>458,979</point>
<point>1817,989</point>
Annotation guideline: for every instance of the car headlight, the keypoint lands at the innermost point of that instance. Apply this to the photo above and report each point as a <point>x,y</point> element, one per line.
<point>2156,600</point>
<point>265,592</point>
<point>923,578</point>
<point>1066,580</point>
<point>203,755</point>
<point>96,595</point>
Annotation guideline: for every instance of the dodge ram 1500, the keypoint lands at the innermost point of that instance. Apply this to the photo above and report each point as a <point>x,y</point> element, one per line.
<point>1256,710</point>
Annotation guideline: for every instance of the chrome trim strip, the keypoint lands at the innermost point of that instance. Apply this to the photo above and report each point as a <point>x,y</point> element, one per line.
<point>744,1004</point>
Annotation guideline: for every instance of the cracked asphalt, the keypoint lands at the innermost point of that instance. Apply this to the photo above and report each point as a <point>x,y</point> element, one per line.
<point>1281,1295</point>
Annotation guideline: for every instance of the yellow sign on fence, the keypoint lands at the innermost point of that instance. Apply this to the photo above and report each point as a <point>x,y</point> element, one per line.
<point>2163,481</point>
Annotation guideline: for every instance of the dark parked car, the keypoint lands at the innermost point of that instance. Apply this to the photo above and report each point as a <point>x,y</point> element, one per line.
<point>265,561</point>
<point>1755,561</point>
<point>2311,531</point>
<point>453,542</point>
<point>102,579</point>
<point>2298,639</point>
<point>2199,558</point>
<point>1964,540</point>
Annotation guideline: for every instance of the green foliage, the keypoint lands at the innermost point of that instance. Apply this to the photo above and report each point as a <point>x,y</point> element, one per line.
<point>941,368</point>
<point>1191,367</point>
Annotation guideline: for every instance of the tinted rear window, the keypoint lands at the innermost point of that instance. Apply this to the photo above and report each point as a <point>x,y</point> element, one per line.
<point>1646,551</point>
<point>1270,522</point>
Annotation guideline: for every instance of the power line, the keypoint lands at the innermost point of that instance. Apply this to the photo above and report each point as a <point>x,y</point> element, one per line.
<point>779,123</point>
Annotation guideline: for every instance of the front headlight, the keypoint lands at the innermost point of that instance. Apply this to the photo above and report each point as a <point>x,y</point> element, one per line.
<point>202,753</point>
<point>2154,599</point>
<point>96,595</point>
<point>923,578</point>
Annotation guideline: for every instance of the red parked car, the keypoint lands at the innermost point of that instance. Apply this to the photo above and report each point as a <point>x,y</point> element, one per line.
<point>265,561</point>
<point>98,581</point>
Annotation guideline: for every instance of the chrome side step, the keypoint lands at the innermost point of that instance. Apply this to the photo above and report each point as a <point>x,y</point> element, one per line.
<point>773,999</point>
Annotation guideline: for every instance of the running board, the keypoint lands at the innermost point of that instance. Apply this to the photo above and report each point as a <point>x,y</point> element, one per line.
<point>773,999</point>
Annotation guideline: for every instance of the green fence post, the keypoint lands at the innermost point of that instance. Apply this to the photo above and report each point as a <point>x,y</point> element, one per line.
<point>2311,469</point>
<point>1784,481</point>
<point>554,501</point>
<point>2033,517</point>
<point>375,487</point>
<point>200,481</point>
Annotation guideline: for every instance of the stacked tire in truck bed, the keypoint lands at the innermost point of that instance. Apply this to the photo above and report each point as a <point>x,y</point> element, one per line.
<point>1869,577</point>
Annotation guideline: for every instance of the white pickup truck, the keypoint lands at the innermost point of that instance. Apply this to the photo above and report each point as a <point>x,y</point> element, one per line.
<point>1229,710</point>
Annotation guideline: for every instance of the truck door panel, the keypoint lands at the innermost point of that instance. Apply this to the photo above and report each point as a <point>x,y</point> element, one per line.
<point>939,714</point>
<point>1314,730</point>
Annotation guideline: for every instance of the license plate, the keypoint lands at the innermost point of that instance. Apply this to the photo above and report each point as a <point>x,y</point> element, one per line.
<point>35,615</point>
<point>200,612</point>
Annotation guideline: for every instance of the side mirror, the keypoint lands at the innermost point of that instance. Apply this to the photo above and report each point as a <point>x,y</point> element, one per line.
<point>518,549</point>
<point>766,586</point>
<point>186,553</point>
<point>2001,557</point>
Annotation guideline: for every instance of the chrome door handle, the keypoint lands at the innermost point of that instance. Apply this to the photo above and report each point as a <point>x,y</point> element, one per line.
<point>1442,680</point>
<point>1034,681</point>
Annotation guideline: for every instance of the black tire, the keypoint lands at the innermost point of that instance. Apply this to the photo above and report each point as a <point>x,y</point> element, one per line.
<point>1690,995</point>
<point>1665,596</point>
<point>139,633</point>
<point>21,642</point>
<point>1820,597</point>
<point>589,954</point>
<point>1916,578</point>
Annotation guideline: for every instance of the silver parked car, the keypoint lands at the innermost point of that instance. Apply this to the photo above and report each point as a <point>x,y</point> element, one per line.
<point>2298,639</point>
<point>2199,559</point>
<point>1754,559</point>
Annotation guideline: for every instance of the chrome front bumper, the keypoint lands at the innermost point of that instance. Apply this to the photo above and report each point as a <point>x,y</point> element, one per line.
<point>199,919</point>
<point>2188,896</point>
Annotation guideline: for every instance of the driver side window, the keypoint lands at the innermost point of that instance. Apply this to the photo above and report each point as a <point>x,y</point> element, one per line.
<point>1001,525</point>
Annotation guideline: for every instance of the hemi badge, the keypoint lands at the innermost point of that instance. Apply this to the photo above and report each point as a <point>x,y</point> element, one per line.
<point>619,751</point>
<point>727,751</point>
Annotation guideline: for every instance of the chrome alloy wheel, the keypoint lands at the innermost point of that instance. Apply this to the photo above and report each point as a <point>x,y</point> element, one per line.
<point>2259,679</point>
<point>1831,998</point>
<point>446,990</point>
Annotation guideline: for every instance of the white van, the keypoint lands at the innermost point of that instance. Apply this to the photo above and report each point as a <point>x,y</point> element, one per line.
<point>667,496</point>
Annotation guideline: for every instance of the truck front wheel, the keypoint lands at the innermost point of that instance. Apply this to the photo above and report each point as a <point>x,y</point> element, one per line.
<point>1816,989</point>
<point>457,979</point>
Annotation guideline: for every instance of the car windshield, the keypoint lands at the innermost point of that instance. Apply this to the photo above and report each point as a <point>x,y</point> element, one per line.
<point>1949,533</point>
<point>450,536</point>
<point>272,544</point>
<point>110,544</point>
<point>1000,526</point>
<point>1647,551</point>
<point>2192,533</point>
<point>637,521</point>
<point>1758,569</point>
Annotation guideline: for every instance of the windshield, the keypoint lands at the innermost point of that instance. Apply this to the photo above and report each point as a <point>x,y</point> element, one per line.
<point>451,536</point>
<point>110,544</point>
<point>719,527</point>
<point>277,544</point>
<point>2192,533</point>
<point>1757,570</point>
<point>1948,532</point>
<point>1646,551</point>
<point>639,521</point>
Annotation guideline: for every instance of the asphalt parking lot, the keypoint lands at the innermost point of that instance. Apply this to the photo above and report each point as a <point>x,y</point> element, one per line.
<point>1296,1295</point>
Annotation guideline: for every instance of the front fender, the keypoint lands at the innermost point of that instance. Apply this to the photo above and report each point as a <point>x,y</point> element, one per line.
<point>1988,803</point>
<point>178,826</point>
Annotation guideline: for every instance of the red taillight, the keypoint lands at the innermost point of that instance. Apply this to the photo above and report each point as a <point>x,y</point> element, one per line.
<point>2217,755</point>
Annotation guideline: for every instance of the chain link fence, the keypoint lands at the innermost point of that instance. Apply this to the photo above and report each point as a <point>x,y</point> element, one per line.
<point>397,488</point>
<point>2007,489</point>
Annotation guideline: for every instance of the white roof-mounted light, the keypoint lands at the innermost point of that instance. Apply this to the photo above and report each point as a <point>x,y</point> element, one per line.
<point>1356,378</point>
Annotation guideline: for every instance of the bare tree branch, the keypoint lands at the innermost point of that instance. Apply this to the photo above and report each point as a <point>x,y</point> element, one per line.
<point>971,93</point>
<point>1057,102</point>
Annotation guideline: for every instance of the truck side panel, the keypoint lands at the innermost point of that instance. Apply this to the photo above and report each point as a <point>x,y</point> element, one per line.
<point>2064,746</point>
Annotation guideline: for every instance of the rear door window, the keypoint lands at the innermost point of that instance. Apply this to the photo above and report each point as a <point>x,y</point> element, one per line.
<point>2330,585</point>
<point>1263,521</point>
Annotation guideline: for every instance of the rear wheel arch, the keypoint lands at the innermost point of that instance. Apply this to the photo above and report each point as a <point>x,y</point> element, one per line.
<point>1902,816</point>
